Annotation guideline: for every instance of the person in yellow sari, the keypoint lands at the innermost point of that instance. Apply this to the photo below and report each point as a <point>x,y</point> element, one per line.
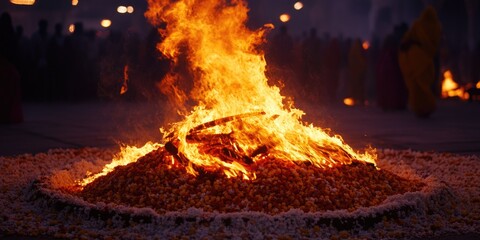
<point>416,58</point>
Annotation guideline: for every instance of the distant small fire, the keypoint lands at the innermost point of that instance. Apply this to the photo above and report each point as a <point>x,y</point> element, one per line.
<point>451,89</point>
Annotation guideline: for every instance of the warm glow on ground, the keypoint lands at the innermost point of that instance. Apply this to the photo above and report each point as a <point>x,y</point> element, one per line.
<point>284,17</point>
<point>298,5</point>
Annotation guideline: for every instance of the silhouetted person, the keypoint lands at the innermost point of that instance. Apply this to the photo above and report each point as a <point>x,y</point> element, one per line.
<point>357,72</point>
<point>476,64</point>
<point>331,69</point>
<point>281,48</point>
<point>76,50</point>
<point>280,61</point>
<point>56,63</point>
<point>10,89</point>
<point>8,43</point>
<point>391,89</point>
<point>153,65</point>
<point>41,84</point>
<point>312,72</point>
<point>112,62</point>
<point>25,65</point>
<point>417,51</point>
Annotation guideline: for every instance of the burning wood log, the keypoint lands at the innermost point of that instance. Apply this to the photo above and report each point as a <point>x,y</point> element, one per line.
<point>224,120</point>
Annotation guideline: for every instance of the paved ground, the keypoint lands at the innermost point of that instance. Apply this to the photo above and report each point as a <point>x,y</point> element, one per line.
<point>455,127</point>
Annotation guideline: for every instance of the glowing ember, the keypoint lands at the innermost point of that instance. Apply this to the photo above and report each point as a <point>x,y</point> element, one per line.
<point>450,88</point>
<point>239,118</point>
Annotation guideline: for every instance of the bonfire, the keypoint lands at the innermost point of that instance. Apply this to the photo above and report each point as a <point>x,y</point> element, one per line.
<point>241,162</point>
<point>242,146</point>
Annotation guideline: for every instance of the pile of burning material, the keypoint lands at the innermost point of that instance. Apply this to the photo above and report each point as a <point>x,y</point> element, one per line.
<point>162,180</point>
<point>447,204</point>
<point>241,160</point>
<point>243,147</point>
<point>284,197</point>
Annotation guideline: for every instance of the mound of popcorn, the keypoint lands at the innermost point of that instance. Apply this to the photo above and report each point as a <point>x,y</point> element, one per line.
<point>455,210</point>
<point>279,187</point>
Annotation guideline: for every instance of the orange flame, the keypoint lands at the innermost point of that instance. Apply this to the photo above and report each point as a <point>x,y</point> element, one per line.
<point>124,87</point>
<point>229,83</point>
<point>128,154</point>
<point>450,88</point>
<point>229,79</point>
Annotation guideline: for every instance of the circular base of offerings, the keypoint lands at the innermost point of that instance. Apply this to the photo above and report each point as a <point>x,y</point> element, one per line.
<point>284,197</point>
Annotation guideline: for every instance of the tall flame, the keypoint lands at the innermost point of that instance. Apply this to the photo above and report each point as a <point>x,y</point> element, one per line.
<point>228,71</point>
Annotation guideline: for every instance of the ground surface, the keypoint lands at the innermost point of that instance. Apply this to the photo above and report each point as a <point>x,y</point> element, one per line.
<point>454,128</point>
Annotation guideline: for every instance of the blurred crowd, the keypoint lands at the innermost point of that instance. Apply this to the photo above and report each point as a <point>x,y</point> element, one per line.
<point>81,65</point>
<point>401,71</point>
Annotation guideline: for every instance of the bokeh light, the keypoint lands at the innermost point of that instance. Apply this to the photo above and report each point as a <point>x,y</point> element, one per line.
<point>106,23</point>
<point>298,5</point>
<point>74,2</point>
<point>130,9</point>
<point>349,101</point>
<point>121,9</point>
<point>284,17</point>
<point>23,2</point>
<point>365,45</point>
<point>71,28</point>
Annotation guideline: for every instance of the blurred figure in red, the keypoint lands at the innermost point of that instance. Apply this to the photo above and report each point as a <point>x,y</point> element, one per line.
<point>391,89</point>
<point>10,89</point>
<point>331,69</point>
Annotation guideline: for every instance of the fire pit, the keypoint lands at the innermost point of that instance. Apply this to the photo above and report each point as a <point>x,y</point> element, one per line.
<point>241,163</point>
<point>284,199</point>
